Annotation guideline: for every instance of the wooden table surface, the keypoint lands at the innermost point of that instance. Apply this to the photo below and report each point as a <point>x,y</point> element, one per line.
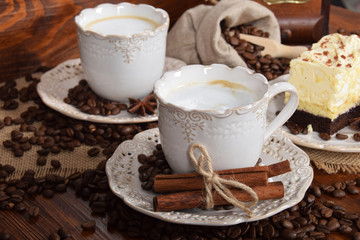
<point>69,211</point>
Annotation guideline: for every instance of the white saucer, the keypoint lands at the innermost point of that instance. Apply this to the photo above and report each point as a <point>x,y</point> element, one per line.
<point>122,172</point>
<point>312,140</point>
<point>54,86</point>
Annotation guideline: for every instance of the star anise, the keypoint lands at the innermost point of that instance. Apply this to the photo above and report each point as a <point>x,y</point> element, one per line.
<point>143,107</point>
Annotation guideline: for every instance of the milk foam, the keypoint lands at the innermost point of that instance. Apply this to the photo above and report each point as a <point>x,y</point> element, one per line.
<point>121,25</point>
<point>213,95</point>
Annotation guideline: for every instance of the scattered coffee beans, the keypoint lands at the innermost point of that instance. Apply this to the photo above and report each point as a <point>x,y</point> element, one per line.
<point>309,219</point>
<point>82,97</point>
<point>270,67</point>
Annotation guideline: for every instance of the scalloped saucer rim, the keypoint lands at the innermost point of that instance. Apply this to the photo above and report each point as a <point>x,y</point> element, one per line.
<point>56,82</point>
<point>122,171</point>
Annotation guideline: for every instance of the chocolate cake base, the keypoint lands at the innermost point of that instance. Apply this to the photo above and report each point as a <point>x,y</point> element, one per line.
<point>322,124</point>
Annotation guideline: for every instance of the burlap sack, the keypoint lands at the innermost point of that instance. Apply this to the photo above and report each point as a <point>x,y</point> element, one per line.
<point>196,36</point>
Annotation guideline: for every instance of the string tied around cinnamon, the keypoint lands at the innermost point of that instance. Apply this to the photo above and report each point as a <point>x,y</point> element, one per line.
<point>213,181</point>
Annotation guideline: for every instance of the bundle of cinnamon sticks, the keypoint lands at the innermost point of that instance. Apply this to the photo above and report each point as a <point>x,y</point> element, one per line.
<point>187,189</point>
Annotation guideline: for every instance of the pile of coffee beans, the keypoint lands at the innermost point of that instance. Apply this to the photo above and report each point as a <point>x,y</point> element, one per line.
<point>58,133</point>
<point>270,67</point>
<point>151,166</point>
<point>82,97</point>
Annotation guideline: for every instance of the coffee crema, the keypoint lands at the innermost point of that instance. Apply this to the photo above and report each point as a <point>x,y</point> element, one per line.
<point>218,95</point>
<point>121,25</point>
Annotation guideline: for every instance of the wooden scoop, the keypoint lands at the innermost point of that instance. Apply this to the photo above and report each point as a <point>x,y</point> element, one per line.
<point>274,48</point>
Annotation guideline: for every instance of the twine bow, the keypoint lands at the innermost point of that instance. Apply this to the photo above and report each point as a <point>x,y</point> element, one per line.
<point>213,180</point>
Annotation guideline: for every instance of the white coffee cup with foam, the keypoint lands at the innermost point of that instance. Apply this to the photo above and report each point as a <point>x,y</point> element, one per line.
<point>224,109</point>
<point>122,48</point>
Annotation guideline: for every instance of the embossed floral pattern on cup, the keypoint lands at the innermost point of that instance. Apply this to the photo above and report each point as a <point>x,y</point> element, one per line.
<point>120,62</point>
<point>233,135</point>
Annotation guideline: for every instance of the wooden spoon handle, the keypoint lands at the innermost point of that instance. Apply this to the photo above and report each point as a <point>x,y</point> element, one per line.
<point>289,51</point>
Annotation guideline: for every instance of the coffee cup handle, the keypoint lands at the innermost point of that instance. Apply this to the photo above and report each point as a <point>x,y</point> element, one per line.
<point>288,109</point>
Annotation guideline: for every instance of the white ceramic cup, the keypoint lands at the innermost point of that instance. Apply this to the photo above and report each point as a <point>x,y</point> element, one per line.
<point>122,48</point>
<point>221,108</point>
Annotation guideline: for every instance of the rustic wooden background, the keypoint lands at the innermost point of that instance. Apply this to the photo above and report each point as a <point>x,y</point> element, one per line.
<point>36,33</point>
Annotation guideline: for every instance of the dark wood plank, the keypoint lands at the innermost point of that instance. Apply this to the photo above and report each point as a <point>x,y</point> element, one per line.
<point>343,18</point>
<point>63,210</point>
<point>42,33</point>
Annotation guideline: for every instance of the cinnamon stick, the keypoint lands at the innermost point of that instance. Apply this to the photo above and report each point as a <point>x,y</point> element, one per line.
<point>194,199</point>
<point>251,176</point>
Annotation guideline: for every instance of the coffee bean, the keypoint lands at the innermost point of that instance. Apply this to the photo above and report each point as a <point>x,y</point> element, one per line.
<point>93,152</point>
<point>33,211</point>
<point>8,143</point>
<point>19,207</point>
<point>341,136</point>
<point>323,228</point>
<point>55,164</point>
<point>288,234</point>
<point>16,135</point>
<point>326,212</point>
<point>18,153</point>
<point>338,193</point>
<point>88,225</point>
<point>287,224</point>
<point>340,185</point>
<point>316,191</point>
<point>345,229</point>
<point>41,161</point>
<point>357,137</point>
<point>333,224</point>
<point>26,146</point>
<point>32,190</point>
<point>325,136</point>
<point>43,152</point>
<point>7,121</point>
<point>16,198</point>
<point>55,149</point>
<point>352,189</point>
<point>328,188</point>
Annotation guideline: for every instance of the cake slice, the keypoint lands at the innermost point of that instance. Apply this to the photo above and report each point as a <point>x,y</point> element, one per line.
<point>327,78</point>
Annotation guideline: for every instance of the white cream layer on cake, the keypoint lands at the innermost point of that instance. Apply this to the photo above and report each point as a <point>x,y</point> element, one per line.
<point>327,76</point>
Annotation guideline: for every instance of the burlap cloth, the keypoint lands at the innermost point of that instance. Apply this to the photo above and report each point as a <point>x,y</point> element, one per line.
<point>196,36</point>
<point>71,161</point>
<point>333,162</point>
